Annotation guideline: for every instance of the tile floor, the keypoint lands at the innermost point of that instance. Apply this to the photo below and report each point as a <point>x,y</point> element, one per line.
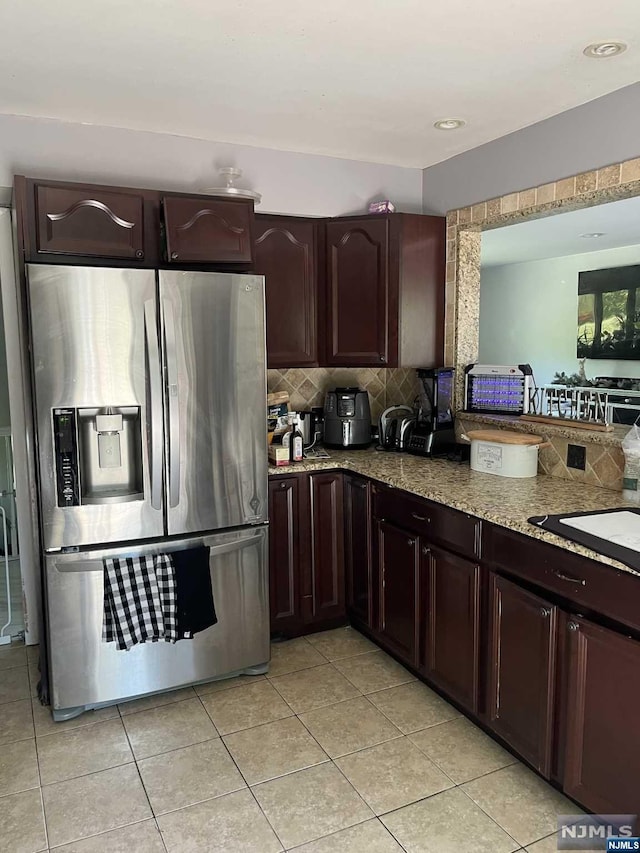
<point>338,749</point>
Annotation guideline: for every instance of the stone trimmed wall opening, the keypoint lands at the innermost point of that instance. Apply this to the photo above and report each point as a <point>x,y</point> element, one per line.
<point>604,457</point>
<point>464,234</point>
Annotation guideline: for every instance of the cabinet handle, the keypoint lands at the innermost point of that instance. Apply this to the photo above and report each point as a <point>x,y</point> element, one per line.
<point>420,517</point>
<point>174,256</point>
<point>569,578</point>
<point>360,485</point>
<point>140,254</point>
<point>383,357</point>
<point>283,485</point>
<point>545,612</point>
<point>573,626</point>
<point>411,542</point>
<point>425,550</point>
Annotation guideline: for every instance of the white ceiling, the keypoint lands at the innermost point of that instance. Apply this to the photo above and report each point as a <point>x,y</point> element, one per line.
<point>558,236</point>
<point>362,79</point>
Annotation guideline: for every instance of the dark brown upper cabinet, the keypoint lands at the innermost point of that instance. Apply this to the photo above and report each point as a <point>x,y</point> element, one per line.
<point>522,669</point>
<point>385,279</point>
<point>61,222</point>
<point>285,253</point>
<point>204,230</point>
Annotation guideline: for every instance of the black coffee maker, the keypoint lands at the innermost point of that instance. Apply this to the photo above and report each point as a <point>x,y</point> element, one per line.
<point>433,433</point>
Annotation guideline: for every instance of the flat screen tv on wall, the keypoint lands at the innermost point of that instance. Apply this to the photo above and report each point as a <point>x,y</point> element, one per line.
<point>609,313</point>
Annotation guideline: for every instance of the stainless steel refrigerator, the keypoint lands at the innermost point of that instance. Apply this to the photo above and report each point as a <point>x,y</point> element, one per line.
<point>149,392</point>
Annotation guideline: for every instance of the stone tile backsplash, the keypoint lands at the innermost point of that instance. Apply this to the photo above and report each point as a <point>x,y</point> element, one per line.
<point>307,386</point>
<point>604,462</point>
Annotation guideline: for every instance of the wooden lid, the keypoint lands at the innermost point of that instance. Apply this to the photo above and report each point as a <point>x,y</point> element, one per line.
<point>504,436</point>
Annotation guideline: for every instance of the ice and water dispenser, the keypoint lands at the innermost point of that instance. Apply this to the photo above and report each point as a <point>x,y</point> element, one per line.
<point>98,455</point>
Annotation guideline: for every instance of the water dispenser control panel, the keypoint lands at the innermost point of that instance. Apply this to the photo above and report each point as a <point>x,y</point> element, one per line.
<point>66,445</point>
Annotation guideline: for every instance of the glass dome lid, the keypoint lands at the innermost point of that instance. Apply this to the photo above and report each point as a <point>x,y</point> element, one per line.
<point>228,177</point>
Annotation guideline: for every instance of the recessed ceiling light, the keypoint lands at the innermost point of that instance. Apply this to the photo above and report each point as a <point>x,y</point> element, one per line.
<point>592,235</point>
<point>449,124</point>
<point>604,49</point>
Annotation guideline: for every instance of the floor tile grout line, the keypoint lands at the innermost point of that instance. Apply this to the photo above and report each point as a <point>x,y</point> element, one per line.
<point>153,707</point>
<point>75,729</point>
<point>266,817</point>
<point>44,818</point>
<point>353,752</point>
<point>336,832</point>
<point>156,816</point>
<point>104,832</point>
<point>162,841</point>
<point>484,811</point>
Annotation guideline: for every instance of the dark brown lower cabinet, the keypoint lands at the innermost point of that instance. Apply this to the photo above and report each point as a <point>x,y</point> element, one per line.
<point>306,552</point>
<point>398,554</point>
<point>602,761</point>
<point>358,558</point>
<point>327,546</point>
<point>450,623</point>
<point>522,656</point>
<point>288,510</point>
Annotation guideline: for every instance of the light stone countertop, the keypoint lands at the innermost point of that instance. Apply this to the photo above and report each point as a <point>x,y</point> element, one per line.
<point>505,501</point>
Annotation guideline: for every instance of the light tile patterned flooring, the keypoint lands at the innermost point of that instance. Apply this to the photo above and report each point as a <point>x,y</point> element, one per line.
<point>338,749</point>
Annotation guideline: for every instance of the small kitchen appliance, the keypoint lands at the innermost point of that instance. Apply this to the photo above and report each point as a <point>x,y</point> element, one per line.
<point>347,418</point>
<point>498,389</point>
<point>310,425</point>
<point>433,431</point>
<point>396,423</point>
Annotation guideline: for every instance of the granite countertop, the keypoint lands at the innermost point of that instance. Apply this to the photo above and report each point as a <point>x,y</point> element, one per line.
<point>504,501</point>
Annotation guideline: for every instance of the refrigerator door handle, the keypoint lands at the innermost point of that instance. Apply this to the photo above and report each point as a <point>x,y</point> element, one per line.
<point>171,362</point>
<point>155,400</point>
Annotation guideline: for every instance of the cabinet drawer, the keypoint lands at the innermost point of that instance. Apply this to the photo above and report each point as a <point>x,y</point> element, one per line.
<point>455,530</point>
<point>593,586</point>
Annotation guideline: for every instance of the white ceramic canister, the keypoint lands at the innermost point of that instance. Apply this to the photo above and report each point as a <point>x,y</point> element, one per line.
<point>505,453</point>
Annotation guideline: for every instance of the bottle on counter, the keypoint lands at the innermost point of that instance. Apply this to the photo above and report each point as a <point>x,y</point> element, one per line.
<point>296,443</point>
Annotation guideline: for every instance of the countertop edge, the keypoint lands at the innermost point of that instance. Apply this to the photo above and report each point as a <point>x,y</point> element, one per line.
<point>429,493</point>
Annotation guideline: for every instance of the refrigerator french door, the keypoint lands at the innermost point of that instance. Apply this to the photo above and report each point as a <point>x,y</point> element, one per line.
<point>149,391</point>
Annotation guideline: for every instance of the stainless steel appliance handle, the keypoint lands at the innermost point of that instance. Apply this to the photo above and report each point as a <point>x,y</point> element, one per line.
<point>173,401</point>
<point>93,562</point>
<point>155,401</point>
<point>346,433</point>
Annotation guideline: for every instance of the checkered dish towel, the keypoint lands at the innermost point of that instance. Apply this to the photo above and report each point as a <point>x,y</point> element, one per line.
<point>140,601</point>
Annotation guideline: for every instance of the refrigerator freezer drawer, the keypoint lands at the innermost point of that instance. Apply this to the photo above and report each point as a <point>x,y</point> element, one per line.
<point>85,672</point>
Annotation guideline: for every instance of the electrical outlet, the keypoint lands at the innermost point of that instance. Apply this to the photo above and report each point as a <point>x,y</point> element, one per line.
<point>576,456</point>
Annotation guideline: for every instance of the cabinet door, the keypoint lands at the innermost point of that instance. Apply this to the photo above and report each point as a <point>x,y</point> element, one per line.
<point>327,546</point>
<point>399,561</point>
<point>450,622</point>
<point>287,524</point>
<point>522,655</point>
<point>89,221</point>
<point>602,765</point>
<point>208,230</point>
<point>358,310</point>
<point>285,254</point>
<point>357,498</point>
